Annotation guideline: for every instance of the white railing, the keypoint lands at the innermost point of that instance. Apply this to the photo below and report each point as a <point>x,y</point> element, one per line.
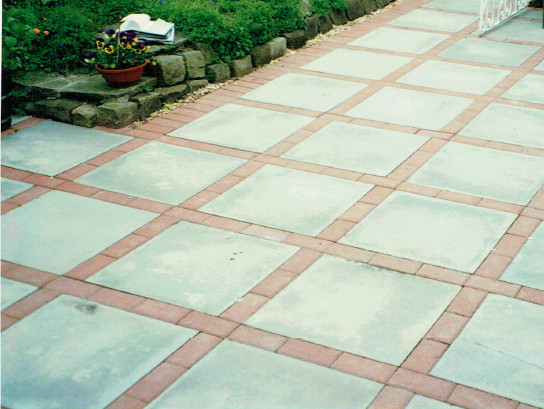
<point>494,12</point>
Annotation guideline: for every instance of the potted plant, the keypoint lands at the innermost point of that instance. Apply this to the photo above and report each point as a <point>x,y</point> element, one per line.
<point>120,57</point>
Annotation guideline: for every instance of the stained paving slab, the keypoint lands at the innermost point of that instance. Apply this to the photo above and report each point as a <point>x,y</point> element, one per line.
<point>181,267</point>
<point>504,338</point>
<point>357,308</point>
<point>84,365</point>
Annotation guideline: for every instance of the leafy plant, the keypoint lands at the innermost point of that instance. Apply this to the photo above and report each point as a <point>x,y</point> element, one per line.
<point>68,34</point>
<point>287,15</point>
<point>206,25</point>
<point>66,28</point>
<point>17,36</point>
<point>339,5</point>
<point>255,17</point>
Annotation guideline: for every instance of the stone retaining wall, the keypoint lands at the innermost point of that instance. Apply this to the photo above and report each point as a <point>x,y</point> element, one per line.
<point>87,100</point>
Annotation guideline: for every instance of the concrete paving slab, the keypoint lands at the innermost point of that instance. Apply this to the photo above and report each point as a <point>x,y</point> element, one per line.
<point>527,268</point>
<point>498,175</point>
<point>434,20</point>
<point>355,307</point>
<point>499,351</point>
<point>446,234</point>
<point>288,199</point>
<point>180,266</point>
<point>305,91</point>
<point>162,172</point>
<point>357,148</point>
<point>243,377</point>
<point>418,109</point>
<point>84,365</point>
<point>454,77</point>
<point>405,41</point>
<point>52,147</point>
<point>241,127</point>
<point>508,124</point>
<point>490,52</point>
<point>359,64</point>
<point>58,230</point>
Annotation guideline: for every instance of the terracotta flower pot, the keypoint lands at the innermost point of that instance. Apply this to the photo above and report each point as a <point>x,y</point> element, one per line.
<point>122,78</point>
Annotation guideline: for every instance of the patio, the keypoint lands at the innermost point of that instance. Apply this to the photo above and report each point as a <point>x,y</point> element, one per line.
<point>359,225</point>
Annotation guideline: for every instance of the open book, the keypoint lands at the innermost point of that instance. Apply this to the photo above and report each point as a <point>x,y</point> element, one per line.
<point>146,29</point>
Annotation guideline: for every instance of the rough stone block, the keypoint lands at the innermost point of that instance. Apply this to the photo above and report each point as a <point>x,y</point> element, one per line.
<point>29,78</point>
<point>196,84</point>
<point>30,108</point>
<point>147,103</point>
<point>117,114</point>
<point>312,26</point>
<point>59,109</point>
<point>371,5</point>
<point>96,89</point>
<point>219,72</point>
<point>195,63</point>
<point>338,17</point>
<point>355,9</point>
<point>261,55</point>
<point>170,69</point>
<point>85,115</point>
<point>46,89</point>
<point>324,23</point>
<point>209,55</point>
<point>296,39</point>
<point>241,67</point>
<point>278,47</point>
<point>171,94</point>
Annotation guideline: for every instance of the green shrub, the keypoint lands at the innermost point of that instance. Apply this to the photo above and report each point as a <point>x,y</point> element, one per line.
<point>256,18</point>
<point>263,19</point>
<point>229,27</point>
<point>70,34</point>
<point>207,25</point>
<point>17,38</point>
<point>287,15</point>
<point>321,7</point>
